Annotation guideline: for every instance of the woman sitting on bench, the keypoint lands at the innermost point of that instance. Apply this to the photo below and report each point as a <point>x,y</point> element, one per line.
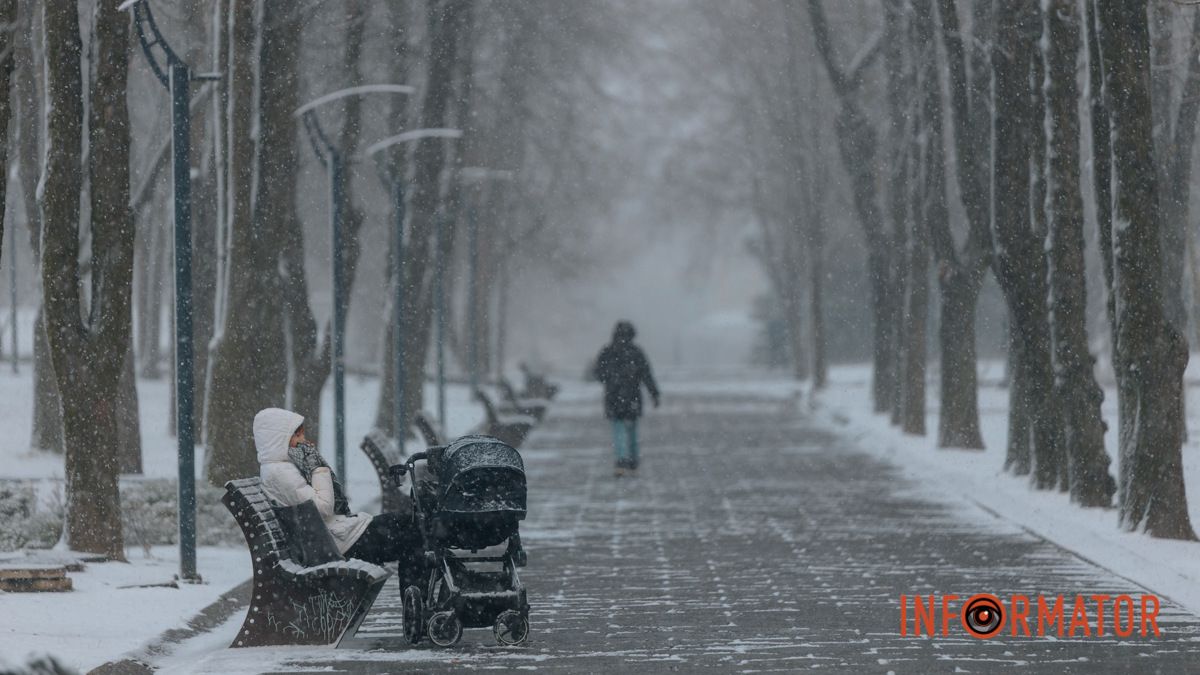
<point>293,472</point>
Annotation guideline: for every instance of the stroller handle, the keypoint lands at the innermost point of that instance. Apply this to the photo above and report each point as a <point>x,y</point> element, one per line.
<point>404,468</point>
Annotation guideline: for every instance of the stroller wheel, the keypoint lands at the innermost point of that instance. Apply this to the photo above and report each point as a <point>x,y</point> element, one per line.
<point>445,629</point>
<point>412,611</point>
<point>511,628</point>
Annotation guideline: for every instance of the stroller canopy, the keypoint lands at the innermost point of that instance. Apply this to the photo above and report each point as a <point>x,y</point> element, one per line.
<point>481,475</point>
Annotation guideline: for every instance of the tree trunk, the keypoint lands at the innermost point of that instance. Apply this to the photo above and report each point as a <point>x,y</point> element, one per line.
<point>47,407</point>
<point>152,288</point>
<point>47,404</point>
<point>961,274</point>
<point>89,354</point>
<point>250,363</point>
<point>1018,260</point>
<point>445,22</point>
<point>958,423</point>
<point>312,358</point>
<point>923,194</point>
<point>856,145</point>
<point>816,279</point>
<point>1101,171</point>
<point>129,431</point>
<point>1019,451</point>
<point>1173,150</point>
<point>1075,386</point>
<point>8,39</point>
<point>1152,353</point>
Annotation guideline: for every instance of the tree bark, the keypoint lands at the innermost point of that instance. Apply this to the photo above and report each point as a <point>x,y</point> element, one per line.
<point>151,287</point>
<point>311,356</point>
<point>857,147</point>
<point>445,20</point>
<point>1075,386</point>
<point>1152,353</point>
<point>47,407</point>
<point>88,354</point>
<point>1173,149</point>
<point>1018,457</point>
<point>927,192</point>
<point>8,39</point>
<point>1018,261</point>
<point>250,367</point>
<point>1101,170</point>
<point>961,273</point>
<point>129,428</point>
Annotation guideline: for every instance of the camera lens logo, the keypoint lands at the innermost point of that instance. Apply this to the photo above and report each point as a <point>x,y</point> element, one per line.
<point>983,616</point>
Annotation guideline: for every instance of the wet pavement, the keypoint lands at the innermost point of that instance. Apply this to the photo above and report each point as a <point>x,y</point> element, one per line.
<point>752,540</point>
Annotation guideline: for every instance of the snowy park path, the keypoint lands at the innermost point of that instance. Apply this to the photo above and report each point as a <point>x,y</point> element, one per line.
<point>751,541</point>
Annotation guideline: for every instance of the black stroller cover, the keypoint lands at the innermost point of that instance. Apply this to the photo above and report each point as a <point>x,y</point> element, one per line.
<point>480,492</point>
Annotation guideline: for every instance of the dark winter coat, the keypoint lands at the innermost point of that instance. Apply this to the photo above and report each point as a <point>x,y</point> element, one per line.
<point>623,368</point>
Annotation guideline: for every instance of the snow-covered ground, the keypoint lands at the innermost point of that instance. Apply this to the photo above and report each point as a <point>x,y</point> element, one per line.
<point>1169,568</point>
<point>103,618</point>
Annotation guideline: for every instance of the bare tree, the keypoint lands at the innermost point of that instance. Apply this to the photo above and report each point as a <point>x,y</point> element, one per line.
<point>47,408</point>
<point>445,22</point>
<point>1075,385</point>
<point>962,270</point>
<point>88,348</point>
<point>1151,354</point>
<point>311,354</point>
<point>8,38</point>
<point>1019,262</point>
<point>857,145</point>
<point>250,363</point>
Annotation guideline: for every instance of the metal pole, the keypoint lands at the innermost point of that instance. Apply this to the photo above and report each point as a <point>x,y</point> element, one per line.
<point>398,315</point>
<point>472,293</point>
<point>12,298</point>
<point>337,193</point>
<point>502,320</point>
<point>440,307</point>
<point>181,177</point>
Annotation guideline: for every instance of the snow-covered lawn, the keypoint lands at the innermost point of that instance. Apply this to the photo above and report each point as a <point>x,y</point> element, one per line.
<point>115,607</point>
<point>1169,568</point>
<point>102,619</point>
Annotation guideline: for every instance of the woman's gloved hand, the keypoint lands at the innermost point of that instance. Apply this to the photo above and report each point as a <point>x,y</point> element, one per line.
<point>307,458</point>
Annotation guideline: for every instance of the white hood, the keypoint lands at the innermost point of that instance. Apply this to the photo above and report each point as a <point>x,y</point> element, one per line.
<point>273,429</point>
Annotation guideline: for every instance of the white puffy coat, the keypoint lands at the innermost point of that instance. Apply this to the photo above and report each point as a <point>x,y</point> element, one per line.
<point>283,482</point>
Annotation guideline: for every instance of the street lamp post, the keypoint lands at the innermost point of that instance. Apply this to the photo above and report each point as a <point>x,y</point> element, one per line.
<point>330,157</point>
<point>176,76</point>
<point>393,180</point>
<point>12,297</point>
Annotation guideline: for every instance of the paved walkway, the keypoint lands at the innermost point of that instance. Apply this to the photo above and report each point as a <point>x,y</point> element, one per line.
<point>751,541</point>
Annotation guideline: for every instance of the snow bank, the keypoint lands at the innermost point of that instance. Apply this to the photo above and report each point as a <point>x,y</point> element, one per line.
<point>1168,568</point>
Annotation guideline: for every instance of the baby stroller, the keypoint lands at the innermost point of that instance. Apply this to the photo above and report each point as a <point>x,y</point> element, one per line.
<point>469,496</point>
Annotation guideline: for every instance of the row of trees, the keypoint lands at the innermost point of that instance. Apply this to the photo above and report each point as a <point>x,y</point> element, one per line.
<point>980,136</point>
<point>507,74</point>
<point>982,139</point>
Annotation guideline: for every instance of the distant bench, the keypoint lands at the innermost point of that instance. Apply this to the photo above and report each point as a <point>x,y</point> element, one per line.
<point>523,405</point>
<point>509,428</point>
<point>293,604</point>
<point>378,448</point>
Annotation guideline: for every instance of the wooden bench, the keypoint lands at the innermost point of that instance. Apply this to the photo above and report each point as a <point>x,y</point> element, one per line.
<point>291,604</point>
<point>524,405</point>
<point>378,448</point>
<point>510,429</point>
<point>430,431</point>
<point>536,384</point>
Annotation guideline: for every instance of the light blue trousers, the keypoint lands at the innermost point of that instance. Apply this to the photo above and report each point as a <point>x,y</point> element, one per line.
<point>625,443</point>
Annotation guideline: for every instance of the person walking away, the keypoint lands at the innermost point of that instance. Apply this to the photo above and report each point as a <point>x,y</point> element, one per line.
<point>622,367</point>
<point>293,472</point>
